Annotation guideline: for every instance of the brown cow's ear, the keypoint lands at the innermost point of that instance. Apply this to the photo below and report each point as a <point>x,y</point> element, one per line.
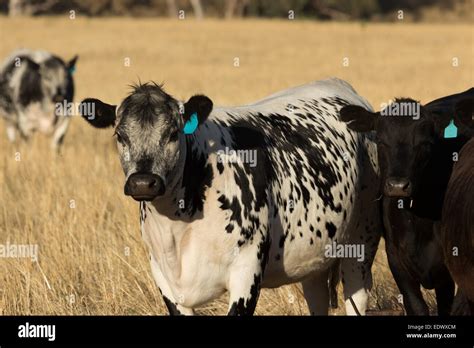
<point>464,112</point>
<point>461,114</point>
<point>358,119</point>
<point>97,113</point>
<point>441,121</point>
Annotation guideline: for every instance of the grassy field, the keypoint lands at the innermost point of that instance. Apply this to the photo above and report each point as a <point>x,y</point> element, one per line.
<point>91,257</point>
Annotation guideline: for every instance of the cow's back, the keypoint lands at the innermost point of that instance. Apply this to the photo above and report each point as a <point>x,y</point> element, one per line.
<point>19,82</point>
<point>9,62</point>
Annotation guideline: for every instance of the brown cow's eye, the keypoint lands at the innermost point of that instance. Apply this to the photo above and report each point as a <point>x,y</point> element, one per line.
<point>424,145</point>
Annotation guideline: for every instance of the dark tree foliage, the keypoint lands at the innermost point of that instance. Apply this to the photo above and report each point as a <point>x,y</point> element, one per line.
<point>320,9</point>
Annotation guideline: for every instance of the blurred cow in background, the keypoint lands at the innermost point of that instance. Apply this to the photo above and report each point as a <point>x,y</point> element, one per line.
<point>36,88</point>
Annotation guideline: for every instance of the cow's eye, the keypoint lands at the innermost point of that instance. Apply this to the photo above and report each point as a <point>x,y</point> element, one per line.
<point>118,137</point>
<point>424,144</point>
<point>174,136</point>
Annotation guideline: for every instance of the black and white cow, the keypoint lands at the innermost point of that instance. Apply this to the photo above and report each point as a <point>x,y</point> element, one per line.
<point>417,146</point>
<point>215,220</point>
<point>35,89</point>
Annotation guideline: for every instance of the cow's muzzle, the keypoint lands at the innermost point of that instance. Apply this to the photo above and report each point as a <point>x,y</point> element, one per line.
<point>398,187</point>
<point>58,98</point>
<point>144,187</point>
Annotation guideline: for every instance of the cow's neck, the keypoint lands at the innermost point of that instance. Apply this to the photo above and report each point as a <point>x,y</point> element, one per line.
<point>182,203</point>
<point>163,237</point>
<point>196,177</point>
<point>429,196</point>
<point>404,229</point>
<point>184,197</point>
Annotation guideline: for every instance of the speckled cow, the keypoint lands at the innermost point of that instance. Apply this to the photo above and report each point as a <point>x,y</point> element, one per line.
<point>32,86</point>
<point>252,197</point>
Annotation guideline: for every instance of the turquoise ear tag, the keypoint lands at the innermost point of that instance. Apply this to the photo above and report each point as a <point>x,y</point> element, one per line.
<point>72,69</point>
<point>451,131</point>
<point>191,125</point>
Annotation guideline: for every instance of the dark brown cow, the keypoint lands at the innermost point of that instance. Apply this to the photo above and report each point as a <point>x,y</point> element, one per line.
<point>416,146</point>
<point>457,227</point>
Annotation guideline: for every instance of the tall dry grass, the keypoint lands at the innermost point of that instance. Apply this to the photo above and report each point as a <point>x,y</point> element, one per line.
<point>91,257</point>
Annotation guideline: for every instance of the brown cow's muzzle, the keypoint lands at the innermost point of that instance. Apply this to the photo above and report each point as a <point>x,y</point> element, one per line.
<point>398,187</point>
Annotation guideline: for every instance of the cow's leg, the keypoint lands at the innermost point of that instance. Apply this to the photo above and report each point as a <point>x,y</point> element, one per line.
<point>59,132</point>
<point>410,288</point>
<point>316,293</point>
<point>174,308</point>
<point>461,305</point>
<point>25,127</point>
<point>357,273</point>
<point>244,290</point>
<point>356,270</point>
<point>364,233</point>
<point>11,132</point>
<point>246,276</point>
<point>357,282</point>
<point>445,296</point>
<point>471,306</point>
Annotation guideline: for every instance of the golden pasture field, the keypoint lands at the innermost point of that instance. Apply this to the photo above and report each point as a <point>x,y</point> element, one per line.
<point>91,256</point>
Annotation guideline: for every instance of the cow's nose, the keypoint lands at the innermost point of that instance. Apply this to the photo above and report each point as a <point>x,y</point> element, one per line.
<point>144,187</point>
<point>398,187</point>
<point>57,98</point>
<point>60,95</point>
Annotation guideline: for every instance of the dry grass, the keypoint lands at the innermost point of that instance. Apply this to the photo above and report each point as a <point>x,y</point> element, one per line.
<point>82,250</point>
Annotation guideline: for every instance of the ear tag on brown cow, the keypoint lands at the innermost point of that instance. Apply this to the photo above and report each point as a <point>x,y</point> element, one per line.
<point>451,131</point>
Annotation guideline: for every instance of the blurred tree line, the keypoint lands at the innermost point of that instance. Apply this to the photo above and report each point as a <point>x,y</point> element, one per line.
<point>320,9</point>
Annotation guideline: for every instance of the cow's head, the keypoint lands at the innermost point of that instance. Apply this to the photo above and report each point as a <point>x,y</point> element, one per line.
<point>150,129</point>
<point>43,90</point>
<point>406,134</point>
<point>57,78</point>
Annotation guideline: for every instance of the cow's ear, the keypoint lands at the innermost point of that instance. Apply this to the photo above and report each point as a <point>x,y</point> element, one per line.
<point>358,119</point>
<point>97,113</point>
<point>71,65</point>
<point>464,112</point>
<point>196,111</point>
<point>449,120</point>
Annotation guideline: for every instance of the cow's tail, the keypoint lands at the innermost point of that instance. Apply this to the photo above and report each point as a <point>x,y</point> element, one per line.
<point>333,281</point>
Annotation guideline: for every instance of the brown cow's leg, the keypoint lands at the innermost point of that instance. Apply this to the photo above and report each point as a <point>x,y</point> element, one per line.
<point>445,297</point>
